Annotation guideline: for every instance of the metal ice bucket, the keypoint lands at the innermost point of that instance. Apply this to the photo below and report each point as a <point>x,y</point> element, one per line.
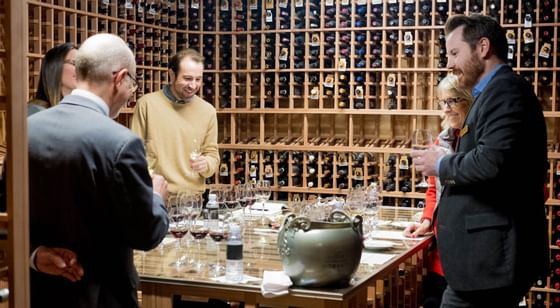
<point>321,253</point>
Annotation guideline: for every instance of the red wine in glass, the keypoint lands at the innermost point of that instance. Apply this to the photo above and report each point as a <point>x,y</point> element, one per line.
<point>199,233</point>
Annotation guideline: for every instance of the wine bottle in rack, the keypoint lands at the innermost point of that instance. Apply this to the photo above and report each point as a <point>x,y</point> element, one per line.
<point>459,7</point>
<point>393,16</point>
<point>425,12</point>
<point>224,167</point>
<point>225,15</point>
<point>547,13</point>
<point>510,7</point>
<point>409,10</point>
<point>284,18</point>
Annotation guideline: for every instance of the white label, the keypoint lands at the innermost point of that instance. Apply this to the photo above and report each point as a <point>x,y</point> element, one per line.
<point>359,92</point>
<point>409,1</point>
<point>392,1</point>
<point>545,51</point>
<point>511,52</point>
<point>528,36</point>
<point>238,5</point>
<point>315,40</point>
<point>329,81</point>
<point>314,94</point>
<point>283,54</point>
<point>268,17</point>
<point>329,3</point>
<point>345,2</point>
<point>528,21</point>
<point>299,3</point>
<point>181,5</point>
<point>408,38</point>
<point>283,4</point>
<point>391,80</point>
<point>194,4</point>
<point>152,9</point>
<point>128,5</point>
<point>106,2</point>
<point>361,2</point>
<point>224,6</point>
<point>376,2</point>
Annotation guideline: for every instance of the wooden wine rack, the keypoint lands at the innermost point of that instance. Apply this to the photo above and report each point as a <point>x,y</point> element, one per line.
<point>291,78</point>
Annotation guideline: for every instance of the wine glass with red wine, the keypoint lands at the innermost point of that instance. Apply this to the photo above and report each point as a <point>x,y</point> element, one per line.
<point>199,230</point>
<point>178,227</point>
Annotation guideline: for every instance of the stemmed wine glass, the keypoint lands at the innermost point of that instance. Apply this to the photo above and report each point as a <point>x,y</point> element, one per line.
<point>219,231</point>
<point>199,230</point>
<point>195,153</point>
<point>422,140</point>
<point>178,227</point>
<point>263,192</point>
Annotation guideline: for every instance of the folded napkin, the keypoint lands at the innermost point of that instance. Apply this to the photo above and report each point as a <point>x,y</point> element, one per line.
<point>275,283</point>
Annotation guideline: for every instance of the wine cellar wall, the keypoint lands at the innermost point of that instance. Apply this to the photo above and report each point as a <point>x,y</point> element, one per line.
<point>319,96</point>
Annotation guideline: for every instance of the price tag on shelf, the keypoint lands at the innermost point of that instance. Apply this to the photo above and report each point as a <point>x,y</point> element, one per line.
<point>195,4</point>
<point>545,51</point>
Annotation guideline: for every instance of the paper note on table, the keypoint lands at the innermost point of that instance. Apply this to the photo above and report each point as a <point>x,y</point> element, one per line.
<point>270,209</point>
<point>246,279</point>
<point>373,258</point>
<point>394,235</point>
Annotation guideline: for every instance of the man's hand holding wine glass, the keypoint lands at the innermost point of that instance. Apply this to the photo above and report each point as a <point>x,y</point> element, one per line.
<point>425,160</point>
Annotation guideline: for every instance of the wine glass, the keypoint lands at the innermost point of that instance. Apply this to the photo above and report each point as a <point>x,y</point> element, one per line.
<point>199,230</point>
<point>263,192</point>
<point>218,231</point>
<point>195,153</point>
<point>422,140</point>
<point>178,227</point>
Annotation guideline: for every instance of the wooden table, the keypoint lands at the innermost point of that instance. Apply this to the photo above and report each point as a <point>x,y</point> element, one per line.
<point>160,281</point>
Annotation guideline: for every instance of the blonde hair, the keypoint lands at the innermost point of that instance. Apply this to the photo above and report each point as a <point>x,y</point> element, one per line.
<point>450,84</point>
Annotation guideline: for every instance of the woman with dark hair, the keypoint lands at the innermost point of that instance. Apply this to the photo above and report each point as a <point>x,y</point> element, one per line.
<point>57,78</point>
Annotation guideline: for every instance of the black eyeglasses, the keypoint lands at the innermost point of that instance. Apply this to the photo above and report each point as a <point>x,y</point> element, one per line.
<point>134,82</point>
<point>450,102</point>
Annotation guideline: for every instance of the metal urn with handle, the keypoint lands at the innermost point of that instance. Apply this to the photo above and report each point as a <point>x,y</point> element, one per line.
<point>321,253</point>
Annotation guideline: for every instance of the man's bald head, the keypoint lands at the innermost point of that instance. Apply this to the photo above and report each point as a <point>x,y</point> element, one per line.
<point>101,55</point>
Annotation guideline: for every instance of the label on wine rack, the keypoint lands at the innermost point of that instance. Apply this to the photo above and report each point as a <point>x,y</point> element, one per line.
<point>528,36</point>
<point>180,5</point>
<point>361,2</point>
<point>408,38</point>
<point>545,51</point>
<point>342,64</point>
<point>269,4</point>
<point>392,1</point>
<point>224,169</point>
<point>345,2</point>
<point>409,1</point>
<point>299,3</point>
<point>283,54</point>
<point>391,80</point>
<point>254,5</point>
<point>528,21</point>
<point>511,52</point>
<point>376,2</point>
<point>329,3</point>
<point>329,81</point>
<point>283,4</point>
<point>314,93</point>
<point>152,9</point>
<point>195,4</point>
<point>106,2</point>
<point>128,5</point>
<point>238,6</point>
<point>315,40</point>
<point>359,92</point>
<point>268,17</point>
<point>510,35</point>
<point>224,6</point>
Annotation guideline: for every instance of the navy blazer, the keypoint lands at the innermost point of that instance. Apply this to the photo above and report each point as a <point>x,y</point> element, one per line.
<point>491,219</point>
<point>90,191</point>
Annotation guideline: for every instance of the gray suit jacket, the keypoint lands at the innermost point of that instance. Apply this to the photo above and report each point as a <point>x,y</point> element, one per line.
<point>90,191</point>
<point>491,221</point>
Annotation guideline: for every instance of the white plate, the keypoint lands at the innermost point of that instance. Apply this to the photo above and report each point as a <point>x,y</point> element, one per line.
<point>401,224</point>
<point>378,245</point>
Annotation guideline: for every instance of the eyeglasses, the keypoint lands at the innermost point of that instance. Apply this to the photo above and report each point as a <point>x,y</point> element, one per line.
<point>450,102</point>
<point>71,62</point>
<point>134,82</point>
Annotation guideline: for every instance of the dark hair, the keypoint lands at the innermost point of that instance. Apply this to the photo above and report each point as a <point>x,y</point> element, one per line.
<point>175,61</point>
<point>50,78</point>
<point>478,26</point>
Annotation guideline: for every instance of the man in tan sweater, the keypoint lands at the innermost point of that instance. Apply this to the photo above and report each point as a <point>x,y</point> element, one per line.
<point>175,122</point>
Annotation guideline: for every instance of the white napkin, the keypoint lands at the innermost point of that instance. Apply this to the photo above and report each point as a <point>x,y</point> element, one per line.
<point>275,283</point>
